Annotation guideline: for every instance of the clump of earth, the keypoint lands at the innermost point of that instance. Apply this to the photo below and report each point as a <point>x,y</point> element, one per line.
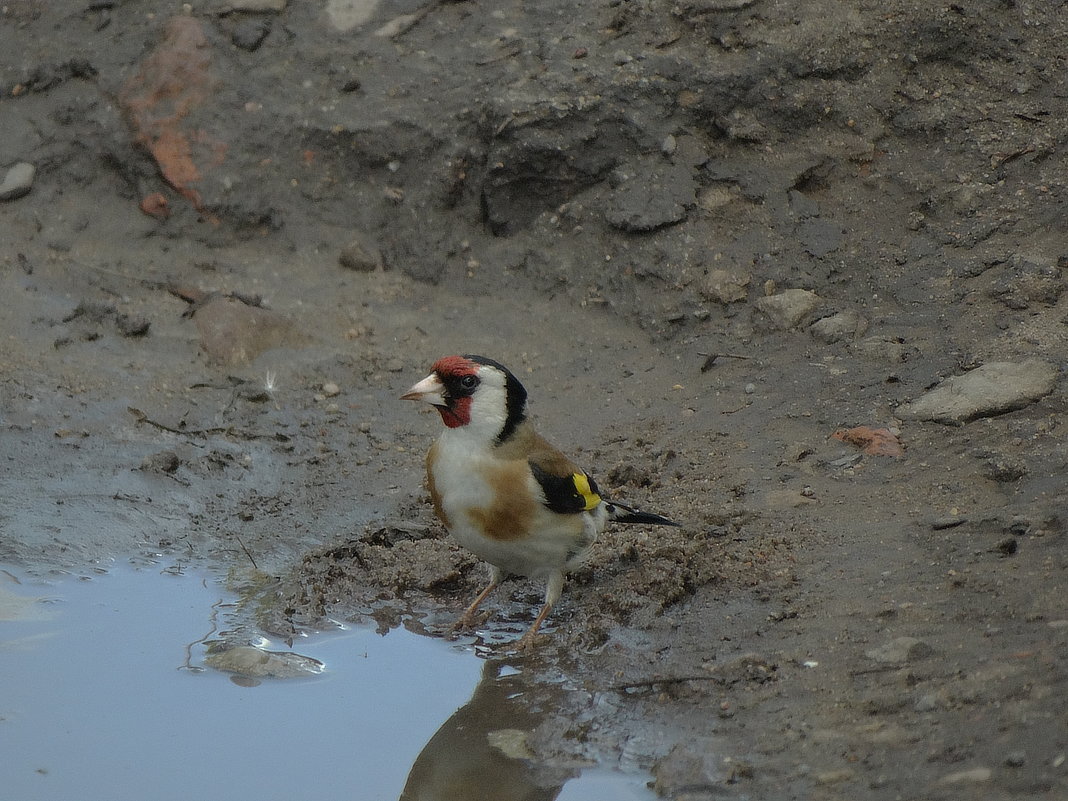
<point>792,275</point>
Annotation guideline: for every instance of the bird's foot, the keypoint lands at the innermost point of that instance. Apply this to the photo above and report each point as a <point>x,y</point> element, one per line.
<point>528,642</point>
<point>466,622</point>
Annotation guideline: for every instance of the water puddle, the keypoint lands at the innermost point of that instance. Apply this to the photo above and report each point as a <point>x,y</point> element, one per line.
<point>106,695</point>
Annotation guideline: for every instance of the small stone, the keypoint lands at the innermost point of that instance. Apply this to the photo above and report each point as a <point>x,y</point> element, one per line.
<point>949,521</point>
<point>330,389</point>
<point>395,26</point>
<point>726,286</point>
<point>962,776</point>
<point>834,776</point>
<point>345,15</point>
<point>155,205</point>
<point>988,390</point>
<point>132,325</point>
<point>846,461</point>
<point>1016,759</point>
<point>750,389</point>
<point>788,308</point>
<point>246,660</point>
<point>669,145</point>
<point>162,462</point>
<point>18,181</point>
<point>902,649</point>
<point>355,256</point>
<point>845,325</point>
<point>1007,546</point>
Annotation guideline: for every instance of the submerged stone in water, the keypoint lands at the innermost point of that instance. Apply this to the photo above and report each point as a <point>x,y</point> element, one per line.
<point>249,661</point>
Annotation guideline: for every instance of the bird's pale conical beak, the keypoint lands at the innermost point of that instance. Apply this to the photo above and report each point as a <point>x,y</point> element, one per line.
<point>430,389</point>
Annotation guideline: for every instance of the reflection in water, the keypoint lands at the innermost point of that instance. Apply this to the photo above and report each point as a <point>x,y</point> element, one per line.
<point>113,649</point>
<point>478,752</point>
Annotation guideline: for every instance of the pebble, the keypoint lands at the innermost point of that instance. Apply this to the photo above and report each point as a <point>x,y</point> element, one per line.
<point>345,15</point>
<point>330,389</point>
<point>972,775</point>
<point>356,256</point>
<point>846,461</point>
<point>949,521</point>
<point>902,649</point>
<point>726,286</point>
<point>132,325</point>
<point>988,390</point>
<point>246,660</point>
<point>845,325</point>
<point>788,308</point>
<point>162,462</point>
<point>834,776</point>
<point>1016,759</point>
<point>18,181</point>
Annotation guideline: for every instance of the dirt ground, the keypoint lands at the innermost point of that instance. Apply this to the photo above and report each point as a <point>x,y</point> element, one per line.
<point>253,224</point>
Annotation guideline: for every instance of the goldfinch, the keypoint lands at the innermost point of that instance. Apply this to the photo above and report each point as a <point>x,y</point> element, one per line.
<point>502,491</point>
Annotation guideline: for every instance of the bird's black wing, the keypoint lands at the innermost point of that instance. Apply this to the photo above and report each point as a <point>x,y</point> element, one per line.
<point>568,493</point>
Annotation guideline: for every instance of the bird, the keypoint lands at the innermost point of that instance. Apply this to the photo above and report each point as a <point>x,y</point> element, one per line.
<point>503,491</point>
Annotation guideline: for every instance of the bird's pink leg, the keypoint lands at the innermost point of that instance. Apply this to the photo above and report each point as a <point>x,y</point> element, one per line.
<point>552,595</point>
<point>467,619</point>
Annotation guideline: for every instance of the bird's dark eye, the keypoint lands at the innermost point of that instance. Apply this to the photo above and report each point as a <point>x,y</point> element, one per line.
<point>469,381</point>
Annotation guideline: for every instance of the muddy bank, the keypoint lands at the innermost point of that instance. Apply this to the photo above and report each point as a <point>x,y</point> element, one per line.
<point>707,236</point>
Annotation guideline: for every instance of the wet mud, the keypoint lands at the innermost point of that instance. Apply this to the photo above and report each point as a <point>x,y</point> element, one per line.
<point>797,285</point>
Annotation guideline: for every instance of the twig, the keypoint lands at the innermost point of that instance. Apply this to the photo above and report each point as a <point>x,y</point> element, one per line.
<point>189,432</point>
<point>710,359</point>
<point>243,548</point>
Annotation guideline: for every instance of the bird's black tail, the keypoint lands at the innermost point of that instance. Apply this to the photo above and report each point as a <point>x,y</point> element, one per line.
<point>621,513</point>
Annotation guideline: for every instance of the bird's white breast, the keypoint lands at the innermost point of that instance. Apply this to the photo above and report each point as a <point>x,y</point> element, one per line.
<point>467,481</point>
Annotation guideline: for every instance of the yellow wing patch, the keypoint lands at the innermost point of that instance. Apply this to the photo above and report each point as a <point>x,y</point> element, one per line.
<point>582,484</point>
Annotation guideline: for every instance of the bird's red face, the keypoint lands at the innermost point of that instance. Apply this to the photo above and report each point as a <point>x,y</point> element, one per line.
<point>449,389</point>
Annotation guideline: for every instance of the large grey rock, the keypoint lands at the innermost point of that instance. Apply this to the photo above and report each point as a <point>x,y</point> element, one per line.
<point>988,390</point>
